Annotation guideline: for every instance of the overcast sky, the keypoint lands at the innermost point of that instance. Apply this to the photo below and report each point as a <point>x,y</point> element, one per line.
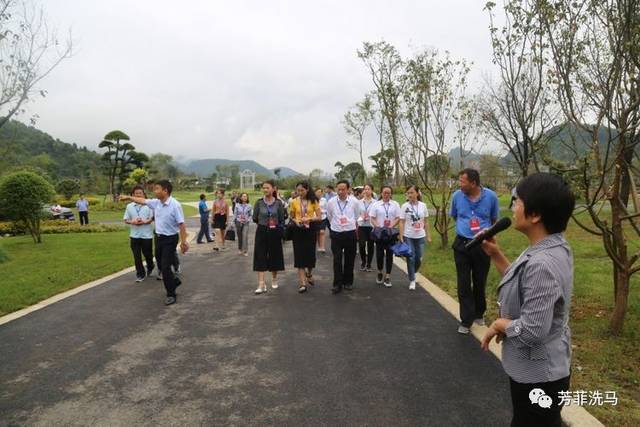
<point>262,80</point>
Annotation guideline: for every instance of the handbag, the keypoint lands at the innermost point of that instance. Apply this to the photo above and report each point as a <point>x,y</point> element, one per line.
<point>384,235</point>
<point>289,230</point>
<point>230,234</point>
<point>401,249</point>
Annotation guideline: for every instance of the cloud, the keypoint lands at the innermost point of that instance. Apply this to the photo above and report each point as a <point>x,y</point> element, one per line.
<point>259,80</point>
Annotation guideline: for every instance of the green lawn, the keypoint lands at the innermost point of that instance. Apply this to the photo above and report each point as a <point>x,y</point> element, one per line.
<point>96,214</point>
<point>600,361</point>
<point>61,262</point>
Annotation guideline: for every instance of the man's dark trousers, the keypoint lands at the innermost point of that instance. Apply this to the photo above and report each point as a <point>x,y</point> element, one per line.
<point>471,266</point>
<point>204,230</point>
<point>165,253</point>
<point>343,247</point>
<point>84,218</point>
<point>141,247</point>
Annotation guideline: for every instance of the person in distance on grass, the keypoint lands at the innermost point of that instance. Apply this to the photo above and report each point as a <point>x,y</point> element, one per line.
<point>534,299</point>
<point>83,210</point>
<point>139,217</point>
<point>170,229</point>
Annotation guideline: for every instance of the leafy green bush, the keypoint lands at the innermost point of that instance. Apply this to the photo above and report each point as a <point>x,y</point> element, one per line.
<point>68,187</point>
<point>57,227</point>
<point>22,195</point>
<point>114,206</point>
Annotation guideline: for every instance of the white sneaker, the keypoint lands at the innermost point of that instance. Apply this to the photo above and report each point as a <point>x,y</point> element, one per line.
<point>274,285</point>
<point>479,322</point>
<point>387,282</point>
<point>412,286</point>
<point>463,330</point>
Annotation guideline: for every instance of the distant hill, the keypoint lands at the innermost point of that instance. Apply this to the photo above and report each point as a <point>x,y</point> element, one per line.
<point>206,167</point>
<point>22,145</point>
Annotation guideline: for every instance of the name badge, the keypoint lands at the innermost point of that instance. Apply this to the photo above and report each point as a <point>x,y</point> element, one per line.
<point>387,223</point>
<point>417,225</point>
<point>344,220</point>
<point>474,224</point>
<point>272,223</point>
<point>242,218</point>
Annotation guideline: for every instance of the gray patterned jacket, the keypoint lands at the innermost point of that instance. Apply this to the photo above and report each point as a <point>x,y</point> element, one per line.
<point>535,292</point>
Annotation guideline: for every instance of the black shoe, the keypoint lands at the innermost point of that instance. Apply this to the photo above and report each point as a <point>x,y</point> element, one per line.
<point>140,278</point>
<point>369,269</point>
<point>348,287</point>
<point>150,272</point>
<point>178,282</point>
<point>170,300</point>
<point>363,267</point>
<point>200,243</point>
<point>209,241</point>
<point>159,276</point>
<point>379,279</point>
<point>336,290</point>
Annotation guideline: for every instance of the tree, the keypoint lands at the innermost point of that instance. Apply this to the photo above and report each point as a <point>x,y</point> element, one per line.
<point>491,170</point>
<point>385,66</point>
<point>341,174</point>
<point>594,65</point>
<point>119,159</point>
<point>383,165</point>
<point>29,52</point>
<point>68,187</point>
<point>519,111</point>
<point>137,176</point>
<point>355,123</point>
<point>354,172</point>
<point>436,114</point>
<point>22,196</point>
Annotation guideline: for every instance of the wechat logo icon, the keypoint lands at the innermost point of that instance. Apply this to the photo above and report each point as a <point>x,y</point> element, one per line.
<point>538,397</point>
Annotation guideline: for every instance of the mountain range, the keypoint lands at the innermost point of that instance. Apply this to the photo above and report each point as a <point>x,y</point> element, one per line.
<point>206,167</point>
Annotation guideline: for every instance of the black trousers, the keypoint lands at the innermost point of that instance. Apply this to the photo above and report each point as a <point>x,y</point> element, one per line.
<point>471,266</point>
<point>366,245</point>
<point>526,414</point>
<point>141,247</point>
<point>384,256</point>
<point>166,254</point>
<point>176,258</point>
<point>84,218</point>
<point>343,247</point>
<point>204,230</point>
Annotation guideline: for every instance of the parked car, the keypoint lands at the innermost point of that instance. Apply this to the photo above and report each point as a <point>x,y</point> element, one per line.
<point>58,212</point>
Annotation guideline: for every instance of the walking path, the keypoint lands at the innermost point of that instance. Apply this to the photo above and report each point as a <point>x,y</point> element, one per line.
<point>115,355</point>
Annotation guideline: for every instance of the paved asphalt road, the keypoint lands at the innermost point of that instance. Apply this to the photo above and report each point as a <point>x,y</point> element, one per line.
<point>116,356</point>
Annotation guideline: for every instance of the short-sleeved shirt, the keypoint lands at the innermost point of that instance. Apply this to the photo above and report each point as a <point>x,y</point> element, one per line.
<point>133,211</point>
<point>296,208</point>
<point>243,212</point>
<point>414,216</point>
<point>485,210</point>
<point>203,209</point>
<point>343,214</point>
<point>382,211</point>
<point>323,207</point>
<point>168,216</point>
<point>365,212</point>
<point>82,205</point>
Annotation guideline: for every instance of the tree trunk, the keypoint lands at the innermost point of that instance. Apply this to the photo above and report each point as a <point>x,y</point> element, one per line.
<point>621,280</point>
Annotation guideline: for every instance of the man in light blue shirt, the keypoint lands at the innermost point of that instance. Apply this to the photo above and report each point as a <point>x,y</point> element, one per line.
<point>139,217</point>
<point>83,210</point>
<point>204,220</point>
<point>170,230</point>
<point>474,208</point>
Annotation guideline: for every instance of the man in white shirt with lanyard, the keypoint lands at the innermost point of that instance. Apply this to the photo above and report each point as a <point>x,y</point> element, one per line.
<point>343,212</point>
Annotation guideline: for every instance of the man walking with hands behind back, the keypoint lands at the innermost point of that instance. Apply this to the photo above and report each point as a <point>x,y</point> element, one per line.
<point>474,208</point>
<point>170,229</point>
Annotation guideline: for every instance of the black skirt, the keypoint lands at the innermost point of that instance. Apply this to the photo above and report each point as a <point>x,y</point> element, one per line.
<point>220,221</point>
<point>267,250</point>
<point>304,247</point>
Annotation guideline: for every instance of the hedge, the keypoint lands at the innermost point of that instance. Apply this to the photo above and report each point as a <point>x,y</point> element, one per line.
<point>58,227</point>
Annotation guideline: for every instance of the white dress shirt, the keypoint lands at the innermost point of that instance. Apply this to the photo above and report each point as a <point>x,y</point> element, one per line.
<point>343,214</point>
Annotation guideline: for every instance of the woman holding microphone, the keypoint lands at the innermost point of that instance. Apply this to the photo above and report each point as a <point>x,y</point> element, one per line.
<point>534,298</point>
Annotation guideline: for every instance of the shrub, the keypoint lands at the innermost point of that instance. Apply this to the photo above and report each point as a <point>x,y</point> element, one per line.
<point>68,187</point>
<point>22,195</point>
<point>59,226</point>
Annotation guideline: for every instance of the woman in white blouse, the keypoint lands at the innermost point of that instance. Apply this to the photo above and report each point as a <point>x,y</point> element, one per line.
<point>414,228</point>
<point>385,214</point>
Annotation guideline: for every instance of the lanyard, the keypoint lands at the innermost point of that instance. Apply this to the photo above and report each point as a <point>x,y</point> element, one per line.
<point>366,206</point>
<point>386,207</point>
<point>138,208</point>
<point>415,211</point>
<point>342,208</point>
<point>303,208</point>
<point>269,207</point>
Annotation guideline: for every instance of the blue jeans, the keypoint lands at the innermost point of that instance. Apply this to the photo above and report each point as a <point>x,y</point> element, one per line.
<point>415,259</point>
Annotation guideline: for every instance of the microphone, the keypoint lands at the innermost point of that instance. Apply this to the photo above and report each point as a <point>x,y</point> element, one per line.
<point>501,225</point>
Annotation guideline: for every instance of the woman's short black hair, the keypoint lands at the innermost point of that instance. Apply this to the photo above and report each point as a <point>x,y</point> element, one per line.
<point>202,197</point>
<point>549,196</point>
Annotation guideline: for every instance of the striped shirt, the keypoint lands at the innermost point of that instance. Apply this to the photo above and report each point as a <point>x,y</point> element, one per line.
<point>535,293</point>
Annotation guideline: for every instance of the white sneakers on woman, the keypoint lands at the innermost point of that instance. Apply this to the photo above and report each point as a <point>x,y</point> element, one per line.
<point>412,285</point>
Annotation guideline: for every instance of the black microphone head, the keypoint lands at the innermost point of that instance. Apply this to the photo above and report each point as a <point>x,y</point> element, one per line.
<point>502,224</point>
